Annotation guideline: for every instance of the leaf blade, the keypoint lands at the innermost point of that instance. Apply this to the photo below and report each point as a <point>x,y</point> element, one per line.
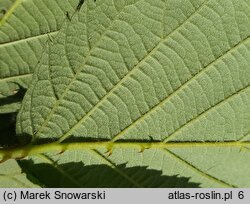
<point>24,27</point>
<point>189,84</point>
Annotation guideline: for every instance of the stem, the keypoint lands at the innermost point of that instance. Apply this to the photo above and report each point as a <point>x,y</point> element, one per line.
<point>28,150</point>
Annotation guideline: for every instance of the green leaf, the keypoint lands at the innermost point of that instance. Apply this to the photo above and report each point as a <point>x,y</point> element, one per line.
<point>11,176</point>
<point>12,103</point>
<point>4,7</point>
<point>72,173</point>
<point>24,29</point>
<point>156,84</point>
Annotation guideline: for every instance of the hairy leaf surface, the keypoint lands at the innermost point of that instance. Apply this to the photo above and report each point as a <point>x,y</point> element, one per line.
<point>162,84</point>
<point>11,176</point>
<point>24,29</point>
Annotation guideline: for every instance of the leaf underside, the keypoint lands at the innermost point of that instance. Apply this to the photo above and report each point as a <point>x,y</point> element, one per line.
<point>160,84</point>
<point>24,29</point>
<point>11,176</point>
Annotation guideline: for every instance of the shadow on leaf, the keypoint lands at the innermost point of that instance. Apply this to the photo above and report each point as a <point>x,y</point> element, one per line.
<point>76,174</point>
<point>16,98</point>
<point>7,127</point>
<point>73,139</point>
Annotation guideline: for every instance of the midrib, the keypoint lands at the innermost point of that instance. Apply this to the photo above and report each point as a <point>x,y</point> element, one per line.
<point>28,150</point>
